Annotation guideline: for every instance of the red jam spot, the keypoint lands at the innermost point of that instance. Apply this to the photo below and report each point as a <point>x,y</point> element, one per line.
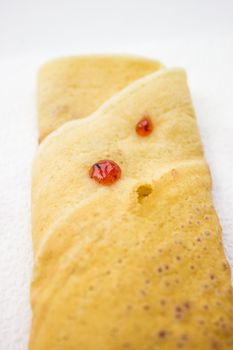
<point>105,172</point>
<point>144,127</point>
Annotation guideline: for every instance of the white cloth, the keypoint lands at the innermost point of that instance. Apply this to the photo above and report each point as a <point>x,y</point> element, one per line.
<point>211,83</point>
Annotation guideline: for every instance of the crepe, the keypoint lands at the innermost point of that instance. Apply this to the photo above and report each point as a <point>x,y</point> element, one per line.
<point>139,264</point>
<point>73,87</point>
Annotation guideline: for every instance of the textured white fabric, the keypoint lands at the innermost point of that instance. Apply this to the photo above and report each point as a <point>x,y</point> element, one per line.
<point>211,83</point>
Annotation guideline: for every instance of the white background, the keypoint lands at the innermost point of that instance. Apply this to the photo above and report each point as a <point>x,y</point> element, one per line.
<point>196,35</point>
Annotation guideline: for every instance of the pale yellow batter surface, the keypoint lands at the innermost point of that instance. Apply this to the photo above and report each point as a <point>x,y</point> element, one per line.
<point>138,265</point>
<point>73,87</point>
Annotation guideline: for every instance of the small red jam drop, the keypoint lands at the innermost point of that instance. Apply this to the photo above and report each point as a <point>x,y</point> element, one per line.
<point>144,127</point>
<point>105,172</point>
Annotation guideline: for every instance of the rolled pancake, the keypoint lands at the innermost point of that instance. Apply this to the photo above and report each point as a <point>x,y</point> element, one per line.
<point>74,87</point>
<point>139,264</point>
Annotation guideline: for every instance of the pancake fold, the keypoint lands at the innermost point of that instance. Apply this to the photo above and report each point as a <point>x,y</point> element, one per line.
<point>140,264</point>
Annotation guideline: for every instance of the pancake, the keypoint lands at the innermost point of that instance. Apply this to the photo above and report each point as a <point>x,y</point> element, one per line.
<point>138,264</point>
